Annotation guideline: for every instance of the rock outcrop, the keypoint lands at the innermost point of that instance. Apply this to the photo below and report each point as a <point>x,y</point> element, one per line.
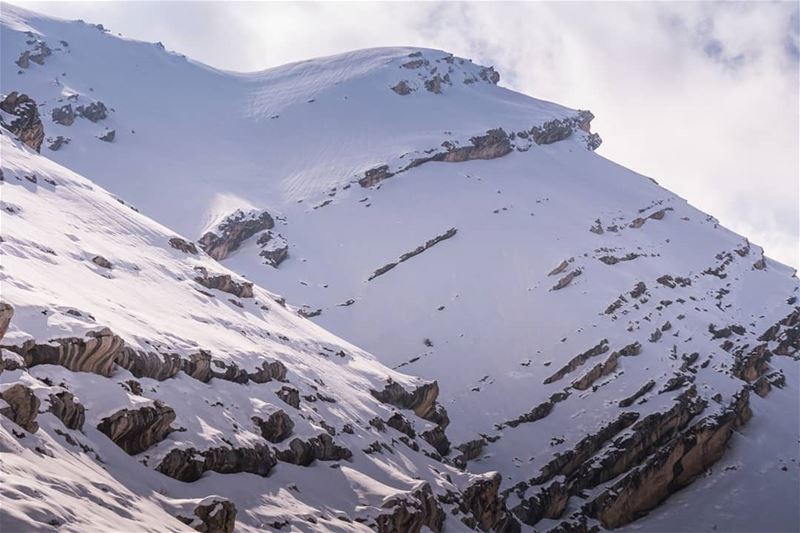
<point>408,255</point>
<point>320,448</point>
<point>21,406</point>
<point>135,430</point>
<point>212,515</point>
<point>276,428</point>
<point>148,364</point>
<point>189,464</point>
<point>183,245</point>
<point>6,314</point>
<point>274,248</point>
<point>224,283</point>
<point>71,413</point>
<point>485,507</point>
<point>95,354</point>
<point>236,228</point>
<point>411,511</point>
<point>27,126</point>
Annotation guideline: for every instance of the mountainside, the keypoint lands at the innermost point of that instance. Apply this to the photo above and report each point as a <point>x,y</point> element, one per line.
<point>586,342</point>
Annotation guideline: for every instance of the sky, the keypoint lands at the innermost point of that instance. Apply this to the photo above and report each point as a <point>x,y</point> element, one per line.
<point>703,97</point>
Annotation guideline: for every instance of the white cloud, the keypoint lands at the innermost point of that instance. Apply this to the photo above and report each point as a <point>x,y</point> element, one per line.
<point>701,96</point>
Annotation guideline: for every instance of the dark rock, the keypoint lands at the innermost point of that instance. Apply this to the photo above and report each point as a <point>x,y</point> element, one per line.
<point>183,245</point>
<point>101,261</point>
<point>95,354</point>
<point>224,283</point>
<point>22,408</point>
<point>108,136</point>
<point>410,512</point>
<point>290,396</point>
<point>402,88</point>
<point>66,409</point>
<point>212,515</point>
<point>6,313</point>
<point>135,430</point>
<point>321,448</point>
<point>276,428</point>
<point>94,112</point>
<point>233,231</point>
<point>189,464</point>
<point>63,115</point>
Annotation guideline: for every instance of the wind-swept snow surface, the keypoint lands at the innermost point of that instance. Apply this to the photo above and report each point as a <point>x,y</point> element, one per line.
<point>593,338</point>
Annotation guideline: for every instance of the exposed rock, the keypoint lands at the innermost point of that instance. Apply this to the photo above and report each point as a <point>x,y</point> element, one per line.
<point>437,438</point>
<point>549,502</point>
<point>63,115</point>
<point>212,515</point>
<point>562,266</point>
<point>566,280</point>
<point>68,410</point>
<point>37,54</point>
<point>189,464</point>
<point>671,467</point>
<point>274,370</point>
<point>422,400</point>
<point>27,126</point>
<point>753,365</point>
<point>321,448</point>
<point>411,511</point>
<point>489,74</point>
<point>233,231</point>
<point>148,364</point>
<point>108,136</point>
<point>56,144</point>
<point>101,261</point>
<point>135,430</point>
<point>6,313</point>
<point>183,245</point>
<point>538,412</point>
<point>276,428</point>
<point>290,396</point>
<point>274,248</point>
<point>224,283</point>
<point>638,290</point>
<point>560,129</point>
<point>94,112</point>
<point>408,255</point>
<point>198,366</point>
<point>647,387</point>
<point>469,450</point>
<point>402,88</point>
<point>401,424</point>
<point>485,507</point>
<point>95,354</point>
<point>375,175</point>
<point>22,406</point>
<point>578,360</point>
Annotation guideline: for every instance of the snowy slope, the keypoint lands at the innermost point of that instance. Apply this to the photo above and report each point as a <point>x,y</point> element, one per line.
<point>359,159</point>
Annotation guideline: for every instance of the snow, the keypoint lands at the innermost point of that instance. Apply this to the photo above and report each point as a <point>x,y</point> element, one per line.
<point>195,145</point>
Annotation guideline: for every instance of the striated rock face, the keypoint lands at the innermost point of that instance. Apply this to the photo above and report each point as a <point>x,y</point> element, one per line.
<point>321,448</point>
<point>68,410</point>
<point>399,422</point>
<point>485,507</point>
<point>95,354</point>
<point>148,364</point>
<point>22,408</point>
<point>578,360</point>
<point>189,464</point>
<point>27,126</point>
<point>673,466</point>
<point>268,372</point>
<point>410,512</point>
<point>6,313</point>
<point>135,430</point>
<point>212,515</point>
<point>276,428</point>
<point>224,283</point>
<point>233,231</point>
<point>751,366</point>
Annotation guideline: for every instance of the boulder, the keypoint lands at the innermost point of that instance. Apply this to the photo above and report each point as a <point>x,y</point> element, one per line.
<point>135,430</point>
<point>22,406</point>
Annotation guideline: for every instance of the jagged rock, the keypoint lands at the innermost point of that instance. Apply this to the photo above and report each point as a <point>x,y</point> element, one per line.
<point>421,400</point>
<point>485,507</point>
<point>578,361</point>
<point>274,248</point>
<point>59,141</point>
<point>189,464</point>
<point>22,406</point>
<point>37,54</point>
<point>560,129</point>
<point>233,231</point>
<point>549,502</point>
<point>108,136</point>
<point>411,511</point>
<point>95,354</point>
<point>638,290</point>
<point>538,412</point>
<point>647,387</point>
<point>268,372</point>
<point>437,438</point>
<point>753,365</point>
<point>198,366</point>
<point>27,126</point>
<point>490,75</point>
<point>101,261</point>
<point>290,396</point>
<point>321,448</point>
<point>495,143</point>
<point>408,255</point>
<point>94,112</point>
<point>566,280</point>
<point>224,283</point>
<point>469,450</point>
<point>6,313</point>
<point>399,422</point>
<point>183,245</point>
<point>212,515</point>
<point>598,371</point>
<point>135,430</point>
<point>63,115</point>
<point>402,88</point>
<point>69,411</point>
<point>375,175</point>
<point>671,467</point>
<point>276,428</point>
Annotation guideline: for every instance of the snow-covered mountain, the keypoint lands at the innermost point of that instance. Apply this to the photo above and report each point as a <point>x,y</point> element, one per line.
<point>592,338</point>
